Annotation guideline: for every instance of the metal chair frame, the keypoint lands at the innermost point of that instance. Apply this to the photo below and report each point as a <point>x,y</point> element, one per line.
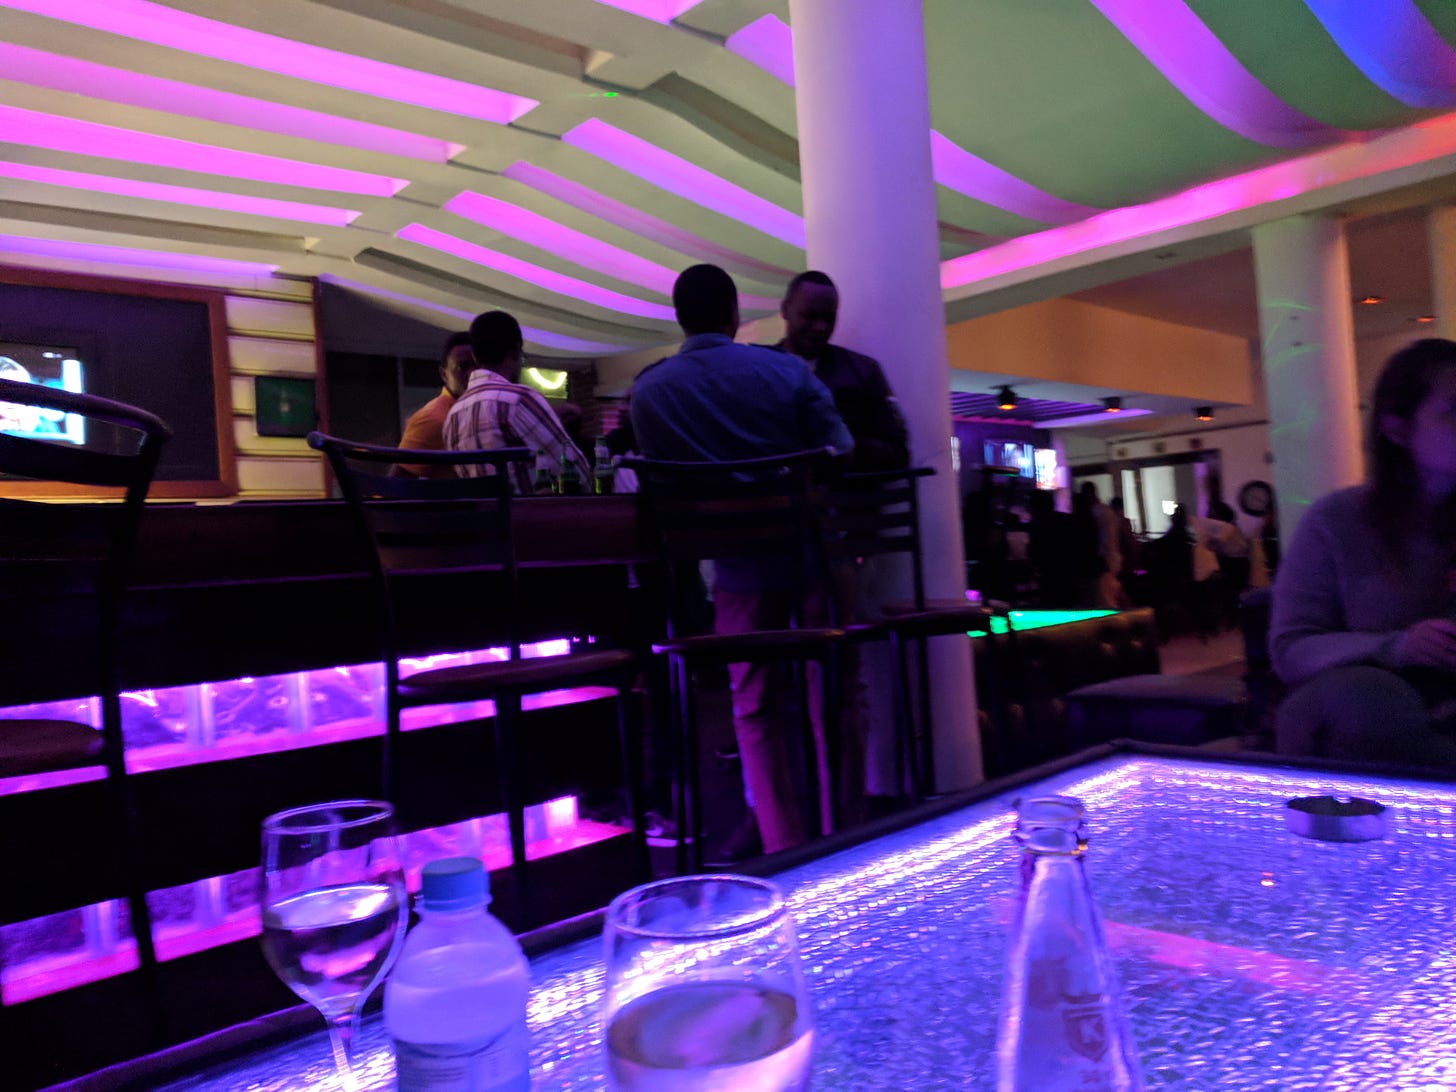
<point>744,509</point>
<point>59,543</point>
<point>462,526</point>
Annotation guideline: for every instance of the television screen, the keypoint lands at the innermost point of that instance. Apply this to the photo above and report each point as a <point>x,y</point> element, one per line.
<point>1011,453</point>
<point>1048,473</point>
<point>50,366</point>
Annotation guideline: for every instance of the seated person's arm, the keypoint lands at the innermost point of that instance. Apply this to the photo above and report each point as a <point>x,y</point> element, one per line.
<point>1308,632</point>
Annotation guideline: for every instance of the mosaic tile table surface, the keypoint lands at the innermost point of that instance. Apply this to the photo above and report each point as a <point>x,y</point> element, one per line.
<point>1250,958</point>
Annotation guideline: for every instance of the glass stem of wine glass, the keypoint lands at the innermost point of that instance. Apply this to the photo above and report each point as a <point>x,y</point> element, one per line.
<point>341,1037</point>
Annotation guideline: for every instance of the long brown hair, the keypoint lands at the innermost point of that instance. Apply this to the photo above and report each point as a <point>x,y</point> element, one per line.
<point>1405,383</point>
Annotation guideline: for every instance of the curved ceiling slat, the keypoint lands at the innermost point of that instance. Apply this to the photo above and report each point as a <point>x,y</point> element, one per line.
<point>1395,46</point>
<point>190,33</point>
<point>1183,49</point>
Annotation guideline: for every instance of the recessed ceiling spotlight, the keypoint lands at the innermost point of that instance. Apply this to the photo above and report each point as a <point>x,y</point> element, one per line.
<point>1005,398</point>
<point>1423,319</point>
<point>1368,300</point>
<point>1204,413</point>
<point>1112,404</point>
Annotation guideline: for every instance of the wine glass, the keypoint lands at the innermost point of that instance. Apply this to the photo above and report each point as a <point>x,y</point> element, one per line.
<point>705,989</point>
<point>334,909</point>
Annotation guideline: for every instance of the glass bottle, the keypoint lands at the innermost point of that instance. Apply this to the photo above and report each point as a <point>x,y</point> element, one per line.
<point>1062,1026</point>
<point>568,480</point>
<point>602,469</point>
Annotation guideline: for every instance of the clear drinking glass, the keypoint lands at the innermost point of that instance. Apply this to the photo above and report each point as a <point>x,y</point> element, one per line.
<point>705,989</point>
<point>334,909</point>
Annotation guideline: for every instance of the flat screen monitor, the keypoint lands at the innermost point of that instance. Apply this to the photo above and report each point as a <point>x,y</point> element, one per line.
<point>284,406</point>
<point>1013,454</point>
<point>56,366</point>
<point>1048,472</point>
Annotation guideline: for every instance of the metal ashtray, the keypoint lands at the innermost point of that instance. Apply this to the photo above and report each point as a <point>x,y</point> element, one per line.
<point>1336,818</point>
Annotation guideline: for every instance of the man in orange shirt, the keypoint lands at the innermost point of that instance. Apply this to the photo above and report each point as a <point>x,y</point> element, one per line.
<point>425,430</point>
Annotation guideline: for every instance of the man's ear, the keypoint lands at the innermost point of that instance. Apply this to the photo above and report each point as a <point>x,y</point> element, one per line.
<point>1395,428</point>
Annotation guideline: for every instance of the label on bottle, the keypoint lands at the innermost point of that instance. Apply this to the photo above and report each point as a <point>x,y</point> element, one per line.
<point>498,1064</point>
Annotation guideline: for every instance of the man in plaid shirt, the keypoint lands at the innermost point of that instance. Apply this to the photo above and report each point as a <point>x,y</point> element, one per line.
<point>497,411</point>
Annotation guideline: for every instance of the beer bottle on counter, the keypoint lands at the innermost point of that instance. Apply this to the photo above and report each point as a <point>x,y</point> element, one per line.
<point>602,469</point>
<point>568,479</point>
<point>544,482</point>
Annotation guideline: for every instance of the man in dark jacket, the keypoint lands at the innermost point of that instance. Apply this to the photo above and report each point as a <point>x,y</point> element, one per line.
<point>861,394</point>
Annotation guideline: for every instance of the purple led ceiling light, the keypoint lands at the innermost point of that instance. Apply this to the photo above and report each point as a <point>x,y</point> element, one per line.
<point>181,195</point>
<point>659,11</point>
<point>1396,47</point>
<point>687,180</point>
<point>165,26</point>
<point>1193,60</point>
<point>548,279</point>
<point>575,246</point>
<point>634,220</point>
<point>768,43</point>
<point>120,255</point>
<point>120,85</point>
<point>89,138</point>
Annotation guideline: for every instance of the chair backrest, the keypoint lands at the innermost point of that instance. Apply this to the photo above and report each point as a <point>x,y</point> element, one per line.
<point>748,509</point>
<point>419,526</point>
<point>875,513</point>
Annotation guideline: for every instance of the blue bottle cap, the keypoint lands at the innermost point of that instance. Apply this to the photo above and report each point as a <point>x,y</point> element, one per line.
<point>454,883</point>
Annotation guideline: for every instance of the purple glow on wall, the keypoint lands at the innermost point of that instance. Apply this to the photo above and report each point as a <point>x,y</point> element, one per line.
<point>542,337</point>
<point>676,175</point>
<point>1419,143</point>
<point>1396,47</point>
<point>545,233</point>
<point>181,195</point>
<point>120,255</point>
<point>1192,59</point>
<point>88,138</point>
<point>659,11</point>
<point>768,43</point>
<point>165,26</point>
<point>959,170</point>
<point>120,85</point>
<point>548,279</point>
<point>630,219</point>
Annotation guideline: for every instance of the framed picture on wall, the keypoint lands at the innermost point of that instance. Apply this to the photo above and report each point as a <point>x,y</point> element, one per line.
<point>284,406</point>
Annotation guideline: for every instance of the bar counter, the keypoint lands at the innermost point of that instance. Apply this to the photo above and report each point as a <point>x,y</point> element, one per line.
<point>1250,957</point>
<point>218,591</point>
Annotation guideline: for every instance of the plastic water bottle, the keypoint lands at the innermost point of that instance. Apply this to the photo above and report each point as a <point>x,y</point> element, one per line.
<point>455,1005</point>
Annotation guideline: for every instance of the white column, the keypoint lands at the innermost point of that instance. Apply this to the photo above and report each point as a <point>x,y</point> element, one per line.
<point>869,209</point>
<point>1441,235</point>
<point>1308,333</point>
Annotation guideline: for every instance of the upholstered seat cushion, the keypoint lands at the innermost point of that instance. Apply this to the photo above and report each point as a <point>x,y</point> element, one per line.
<point>1182,709</point>
<point>472,682</point>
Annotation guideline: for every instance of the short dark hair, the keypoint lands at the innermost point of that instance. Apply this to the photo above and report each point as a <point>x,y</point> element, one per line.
<point>809,276</point>
<point>705,299</point>
<point>453,342</point>
<point>494,336</point>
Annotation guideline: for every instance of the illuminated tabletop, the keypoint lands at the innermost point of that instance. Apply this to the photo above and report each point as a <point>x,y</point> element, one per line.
<point>1250,958</point>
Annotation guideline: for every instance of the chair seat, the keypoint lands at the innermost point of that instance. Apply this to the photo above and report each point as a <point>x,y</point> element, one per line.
<point>1202,691</point>
<point>1188,710</point>
<point>471,682</point>
<point>41,746</point>
<point>756,646</point>
<point>939,621</point>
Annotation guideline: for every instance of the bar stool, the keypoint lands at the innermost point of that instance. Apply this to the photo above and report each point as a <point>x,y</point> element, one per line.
<point>877,514</point>
<point>82,552</point>
<point>751,510</point>
<point>461,527</point>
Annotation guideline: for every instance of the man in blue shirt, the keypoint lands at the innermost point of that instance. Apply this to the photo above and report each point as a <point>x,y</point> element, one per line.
<point>717,401</point>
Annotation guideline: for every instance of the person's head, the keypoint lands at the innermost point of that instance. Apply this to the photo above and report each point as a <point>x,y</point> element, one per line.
<point>1179,520</point>
<point>1089,491</point>
<point>706,301</point>
<point>1413,425</point>
<point>810,308</point>
<point>495,339</point>
<point>1116,504</point>
<point>456,362</point>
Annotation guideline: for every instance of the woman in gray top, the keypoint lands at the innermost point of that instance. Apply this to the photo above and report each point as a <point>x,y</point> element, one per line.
<point>1364,622</point>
